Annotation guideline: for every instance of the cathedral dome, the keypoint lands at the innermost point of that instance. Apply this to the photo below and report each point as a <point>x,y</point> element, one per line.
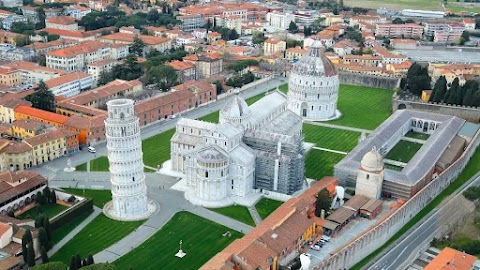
<point>315,63</point>
<point>372,161</point>
<point>234,111</point>
<point>211,155</point>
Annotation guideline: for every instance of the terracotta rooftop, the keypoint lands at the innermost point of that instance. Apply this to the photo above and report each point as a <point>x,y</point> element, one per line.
<point>63,20</point>
<point>7,191</point>
<point>156,102</point>
<point>68,33</point>
<point>200,86</point>
<point>81,48</point>
<point>55,43</point>
<point>180,65</point>
<point>69,77</point>
<point>23,65</point>
<point>451,259</point>
<point>103,62</point>
<point>273,40</point>
<point>28,124</point>
<point>126,37</point>
<point>41,114</point>
<point>45,137</point>
<point>16,148</point>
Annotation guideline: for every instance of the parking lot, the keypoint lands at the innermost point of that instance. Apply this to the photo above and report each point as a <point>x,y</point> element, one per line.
<point>447,55</point>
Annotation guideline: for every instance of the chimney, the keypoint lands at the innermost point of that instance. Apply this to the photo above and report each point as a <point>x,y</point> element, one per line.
<point>322,214</point>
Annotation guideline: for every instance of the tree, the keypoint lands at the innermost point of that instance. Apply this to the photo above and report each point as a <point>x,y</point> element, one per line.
<point>472,193</point>
<point>219,87</point>
<point>21,41</point>
<point>439,89</point>
<point>137,46</point>
<point>100,266</point>
<point>39,220</point>
<point>51,266</point>
<point>470,87</point>
<point>323,202</point>
<point>46,193</point>
<point>454,93</point>
<point>163,76</point>
<point>208,24</point>
<point>53,197</point>
<point>30,255</point>
<point>153,16</point>
<point>293,28</point>
<point>41,18</point>
<point>90,259</point>
<point>307,31</point>
<point>43,253</point>
<point>418,79</point>
<point>52,37</point>
<point>78,261</point>
<point>398,21</point>
<point>248,77</point>
<point>21,27</point>
<point>129,70</point>
<point>105,77</point>
<point>258,37</point>
<point>43,238</point>
<point>233,35</point>
<point>73,265</point>
<point>48,230</point>
<point>42,99</point>
<point>466,35</point>
<point>26,240</point>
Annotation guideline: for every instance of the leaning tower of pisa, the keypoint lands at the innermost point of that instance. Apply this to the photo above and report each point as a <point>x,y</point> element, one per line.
<point>129,191</point>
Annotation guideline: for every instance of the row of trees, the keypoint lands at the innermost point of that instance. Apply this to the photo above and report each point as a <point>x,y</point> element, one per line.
<point>76,261</point>
<point>240,80</point>
<point>242,64</point>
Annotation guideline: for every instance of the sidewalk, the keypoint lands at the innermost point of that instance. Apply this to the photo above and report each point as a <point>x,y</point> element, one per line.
<point>256,217</point>
<point>322,124</point>
<point>96,211</point>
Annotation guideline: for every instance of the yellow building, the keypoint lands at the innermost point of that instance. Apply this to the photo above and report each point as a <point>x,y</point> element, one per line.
<point>7,109</point>
<point>15,156</point>
<point>47,146</point>
<point>426,95</point>
<point>274,45</point>
<point>294,53</point>
<point>10,76</point>
<point>27,128</point>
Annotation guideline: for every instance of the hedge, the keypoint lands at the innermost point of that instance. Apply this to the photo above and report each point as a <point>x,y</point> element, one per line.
<point>71,213</point>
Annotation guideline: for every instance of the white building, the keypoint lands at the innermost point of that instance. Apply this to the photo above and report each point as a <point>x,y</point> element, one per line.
<point>279,20</point>
<point>77,11</point>
<point>9,20</point>
<point>70,84</point>
<point>313,86</point>
<point>12,3</point>
<point>61,22</point>
<point>422,13</point>
<point>95,69</point>
<point>252,149</point>
<point>77,57</point>
<point>129,191</point>
<point>370,175</point>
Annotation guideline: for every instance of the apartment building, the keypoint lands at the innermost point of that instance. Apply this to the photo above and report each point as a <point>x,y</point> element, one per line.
<point>432,27</point>
<point>70,84</point>
<point>95,69</point>
<point>203,91</point>
<point>446,36</point>
<point>77,57</point>
<point>10,52</point>
<point>188,23</point>
<point>7,109</point>
<point>408,30</point>
<point>45,47</point>
<point>62,22</point>
<point>77,11</point>
<point>9,37</point>
<point>10,76</point>
<point>72,35</point>
<point>279,20</point>
<point>186,71</point>
<point>32,73</point>
<point>160,44</point>
<point>12,3</point>
<point>31,13</point>
<point>370,19</point>
<point>206,64</point>
<point>365,60</point>
<point>273,45</point>
<point>294,54</point>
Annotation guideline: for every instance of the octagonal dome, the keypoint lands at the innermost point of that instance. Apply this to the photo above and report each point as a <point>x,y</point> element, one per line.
<point>372,161</point>
<point>315,63</point>
<point>211,155</point>
<point>235,111</point>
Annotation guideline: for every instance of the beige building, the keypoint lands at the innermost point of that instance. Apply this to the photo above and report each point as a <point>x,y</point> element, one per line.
<point>206,64</point>
<point>62,22</point>
<point>7,109</point>
<point>76,58</point>
<point>273,45</point>
<point>32,73</point>
<point>95,69</point>
<point>408,30</point>
<point>160,44</point>
<point>293,54</point>
<point>10,76</point>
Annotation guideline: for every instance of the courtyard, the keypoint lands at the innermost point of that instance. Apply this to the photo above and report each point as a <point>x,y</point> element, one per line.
<point>49,210</point>
<point>201,240</point>
<point>403,151</point>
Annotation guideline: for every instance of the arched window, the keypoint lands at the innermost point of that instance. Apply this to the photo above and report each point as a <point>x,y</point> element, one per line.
<point>206,174</point>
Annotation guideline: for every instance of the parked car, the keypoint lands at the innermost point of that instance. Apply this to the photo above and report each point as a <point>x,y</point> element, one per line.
<point>315,247</point>
<point>91,149</point>
<point>173,116</point>
<point>326,238</point>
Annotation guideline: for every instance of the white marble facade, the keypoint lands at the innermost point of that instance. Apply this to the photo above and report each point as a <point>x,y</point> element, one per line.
<point>129,192</point>
<point>313,86</point>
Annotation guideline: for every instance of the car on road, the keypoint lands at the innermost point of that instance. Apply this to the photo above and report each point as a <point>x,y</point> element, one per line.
<point>173,116</point>
<point>91,149</point>
<point>326,238</point>
<point>315,247</point>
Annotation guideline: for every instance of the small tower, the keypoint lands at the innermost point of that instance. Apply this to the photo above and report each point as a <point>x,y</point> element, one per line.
<point>129,192</point>
<point>370,175</point>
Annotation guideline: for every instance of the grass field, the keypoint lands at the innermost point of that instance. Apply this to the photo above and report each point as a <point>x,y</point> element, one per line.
<point>403,151</point>
<point>417,135</point>
<point>362,107</point>
<point>65,229</point>
<point>413,4</point>
<point>331,138</point>
<point>99,164</point>
<point>156,149</point>
<point>468,172</point>
<point>266,206</point>
<point>50,210</point>
<point>100,197</point>
<point>237,212</point>
<point>99,234</point>
<point>320,163</point>
<point>201,238</point>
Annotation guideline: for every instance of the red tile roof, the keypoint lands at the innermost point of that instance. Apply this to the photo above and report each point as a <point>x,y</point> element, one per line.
<point>69,77</point>
<point>126,37</point>
<point>45,115</point>
<point>63,20</point>
<point>180,65</point>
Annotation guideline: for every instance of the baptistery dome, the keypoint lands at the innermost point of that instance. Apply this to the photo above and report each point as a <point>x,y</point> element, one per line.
<point>313,86</point>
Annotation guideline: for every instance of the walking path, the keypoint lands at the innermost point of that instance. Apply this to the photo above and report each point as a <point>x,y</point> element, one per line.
<point>254,213</point>
<point>96,211</point>
<point>408,139</point>
<point>330,150</point>
<point>322,124</point>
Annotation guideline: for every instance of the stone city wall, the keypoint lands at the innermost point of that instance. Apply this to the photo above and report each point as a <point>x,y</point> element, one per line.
<point>471,114</point>
<point>369,80</point>
<point>360,247</point>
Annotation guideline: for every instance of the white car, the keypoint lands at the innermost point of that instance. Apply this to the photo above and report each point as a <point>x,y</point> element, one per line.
<point>315,247</point>
<point>173,116</point>
<point>91,149</point>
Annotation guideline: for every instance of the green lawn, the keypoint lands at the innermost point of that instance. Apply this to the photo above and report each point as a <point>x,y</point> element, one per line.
<point>212,118</point>
<point>320,163</point>
<point>237,212</point>
<point>156,149</point>
<point>417,135</point>
<point>413,4</point>
<point>403,151</point>
<point>50,210</point>
<point>65,229</point>
<point>100,197</point>
<point>331,138</point>
<point>283,88</point>
<point>99,164</point>
<point>470,170</point>
<point>99,234</point>
<point>266,206</point>
<point>201,238</point>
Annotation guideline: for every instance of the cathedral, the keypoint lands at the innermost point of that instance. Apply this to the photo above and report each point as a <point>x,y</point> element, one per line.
<point>257,148</point>
<point>313,86</point>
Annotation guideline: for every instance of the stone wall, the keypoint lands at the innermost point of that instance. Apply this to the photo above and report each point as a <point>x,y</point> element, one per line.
<point>471,114</point>
<point>360,247</point>
<point>368,80</point>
